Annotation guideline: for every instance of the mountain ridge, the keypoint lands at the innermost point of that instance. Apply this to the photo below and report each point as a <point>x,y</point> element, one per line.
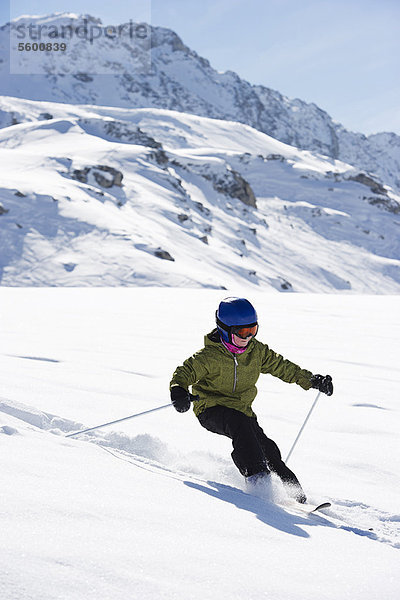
<point>108,191</point>
<point>180,79</point>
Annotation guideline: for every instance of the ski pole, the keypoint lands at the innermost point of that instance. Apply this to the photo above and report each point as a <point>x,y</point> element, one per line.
<point>302,427</point>
<point>145,412</point>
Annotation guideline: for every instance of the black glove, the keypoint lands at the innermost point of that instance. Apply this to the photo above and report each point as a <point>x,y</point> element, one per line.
<point>323,384</point>
<point>180,398</point>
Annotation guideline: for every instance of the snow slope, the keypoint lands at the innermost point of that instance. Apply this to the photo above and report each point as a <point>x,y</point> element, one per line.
<point>93,195</point>
<point>154,507</point>
<point>160,71</point>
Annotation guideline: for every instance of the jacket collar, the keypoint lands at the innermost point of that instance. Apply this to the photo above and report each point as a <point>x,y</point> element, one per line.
<point>213,339</point>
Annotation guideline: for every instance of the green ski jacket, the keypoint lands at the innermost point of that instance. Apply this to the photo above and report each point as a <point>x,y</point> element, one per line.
<point>219,377</point>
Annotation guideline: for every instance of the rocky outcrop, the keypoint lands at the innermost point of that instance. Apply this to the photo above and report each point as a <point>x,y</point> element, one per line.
<point>388,204</point>
<point>117,130</point>
<point>367,180</point>
<point>105,176</point>
<point>164,254</point>
<point>232,184</point>
<point>83,77</point>
<point>228,182</point>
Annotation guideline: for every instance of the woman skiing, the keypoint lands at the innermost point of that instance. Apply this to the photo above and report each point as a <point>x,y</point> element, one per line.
<point>223,375</point>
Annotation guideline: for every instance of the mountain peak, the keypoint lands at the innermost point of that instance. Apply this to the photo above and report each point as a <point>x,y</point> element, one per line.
<point>56,16</point>
<point>156,69</point>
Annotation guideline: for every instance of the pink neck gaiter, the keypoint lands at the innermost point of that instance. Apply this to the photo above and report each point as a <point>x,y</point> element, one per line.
<point>232,348</point>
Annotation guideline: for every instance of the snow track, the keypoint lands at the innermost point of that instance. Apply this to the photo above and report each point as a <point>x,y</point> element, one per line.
<point>363,519</point>
<point>151,454</point>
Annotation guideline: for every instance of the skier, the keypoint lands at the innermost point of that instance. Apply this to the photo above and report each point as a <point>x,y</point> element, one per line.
<point>223,375</point>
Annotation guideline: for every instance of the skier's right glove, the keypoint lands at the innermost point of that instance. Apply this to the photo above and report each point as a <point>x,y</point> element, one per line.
<point>180,398</point>
<point>323,384</point>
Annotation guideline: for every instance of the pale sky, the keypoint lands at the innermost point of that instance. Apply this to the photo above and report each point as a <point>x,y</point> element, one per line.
<point>343,55</point>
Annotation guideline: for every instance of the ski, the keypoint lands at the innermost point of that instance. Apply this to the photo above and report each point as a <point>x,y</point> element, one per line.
<point>312,508</point>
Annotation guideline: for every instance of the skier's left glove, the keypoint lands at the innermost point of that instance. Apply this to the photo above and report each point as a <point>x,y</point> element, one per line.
<point>180,398</point>
<point>323,383</point>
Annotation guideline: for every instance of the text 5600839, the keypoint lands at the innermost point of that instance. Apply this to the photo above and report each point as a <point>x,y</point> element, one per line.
<point>42,47</point>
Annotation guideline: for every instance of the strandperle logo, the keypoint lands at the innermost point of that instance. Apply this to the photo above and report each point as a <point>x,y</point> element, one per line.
<point>86,30</point>
<point>76,46</point>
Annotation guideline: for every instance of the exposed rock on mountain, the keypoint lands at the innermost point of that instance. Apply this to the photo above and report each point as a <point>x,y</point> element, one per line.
<point>105,176</point>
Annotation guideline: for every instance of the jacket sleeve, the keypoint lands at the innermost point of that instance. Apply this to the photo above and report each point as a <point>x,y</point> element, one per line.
<point>192,370</point>
<point>284,369</point>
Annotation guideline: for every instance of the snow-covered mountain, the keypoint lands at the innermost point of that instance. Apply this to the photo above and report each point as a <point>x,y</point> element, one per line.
<point>119,195</point>
<point>162,72</point>
<point>93,195</point>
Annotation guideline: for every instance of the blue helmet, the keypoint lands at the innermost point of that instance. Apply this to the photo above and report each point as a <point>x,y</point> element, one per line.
<point>234,312</point>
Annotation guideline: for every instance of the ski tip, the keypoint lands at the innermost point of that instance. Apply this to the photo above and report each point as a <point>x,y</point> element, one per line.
<point>321,506</point>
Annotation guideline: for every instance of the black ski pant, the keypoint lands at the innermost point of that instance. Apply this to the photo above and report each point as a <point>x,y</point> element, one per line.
<point>253,451</point>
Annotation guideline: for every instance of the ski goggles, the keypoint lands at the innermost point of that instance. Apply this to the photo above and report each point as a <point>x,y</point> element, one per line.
<point>245,332</point>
